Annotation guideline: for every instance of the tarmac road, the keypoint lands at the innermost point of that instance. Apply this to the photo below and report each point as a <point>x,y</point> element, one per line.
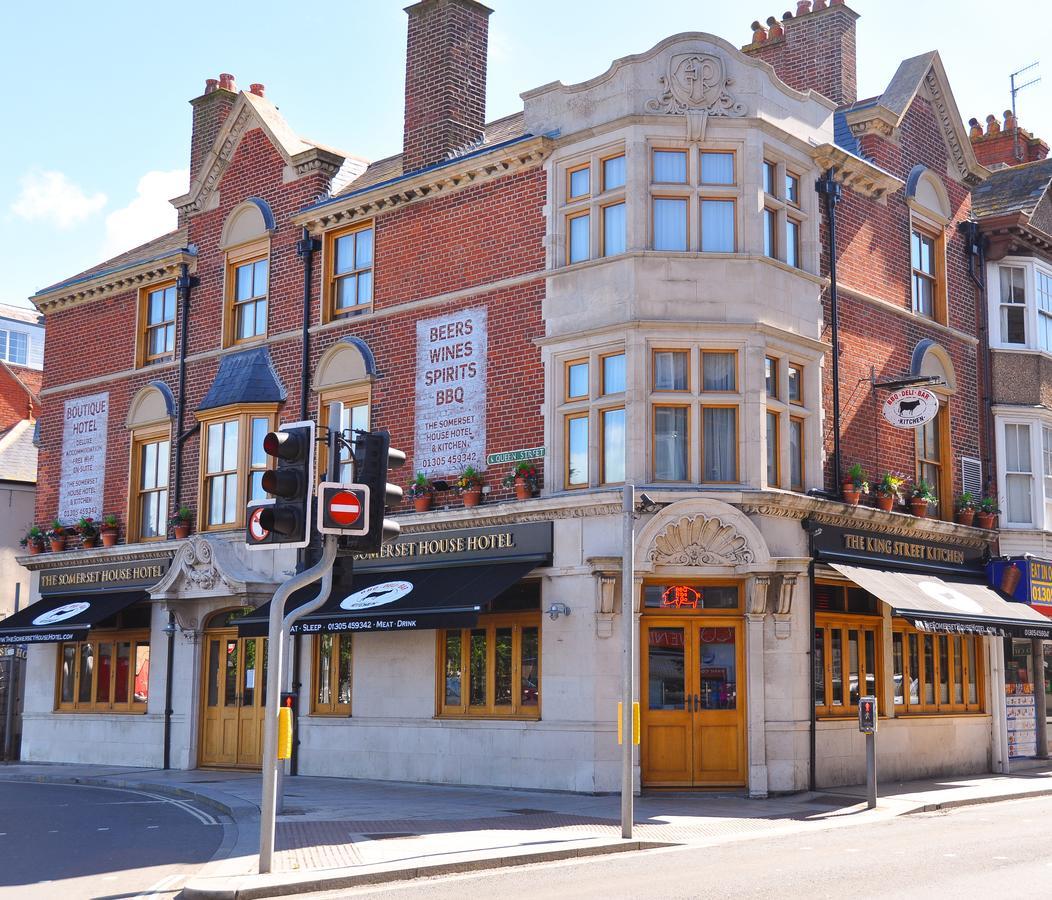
<point>74,841</point>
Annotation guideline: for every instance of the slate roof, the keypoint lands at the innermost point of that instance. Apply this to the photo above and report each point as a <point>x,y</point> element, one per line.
<point>842,135</point>
<point>1012,190</point>
<point>18,455</point>
<point>245,377</point>
<point>21,314</point>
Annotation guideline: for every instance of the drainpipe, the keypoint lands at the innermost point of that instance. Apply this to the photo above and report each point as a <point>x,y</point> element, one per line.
<point>812,779</point>
<point>975,249</point>
<point>829,188</point>
<point>169,630</point>
<point>183,286</point>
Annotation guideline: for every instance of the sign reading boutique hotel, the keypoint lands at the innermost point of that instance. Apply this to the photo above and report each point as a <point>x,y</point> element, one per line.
<point>451,392</point>
<point>84,424</point>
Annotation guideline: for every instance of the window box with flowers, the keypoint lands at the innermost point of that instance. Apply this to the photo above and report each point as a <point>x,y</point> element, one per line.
<point>421,493</point>
<point>109,529</point>
<point>180,522</point>
<point>965,509</point>
<point>56,536</point>
<point>33,541</point>
<point>525,478</point>
<point>469,486</point>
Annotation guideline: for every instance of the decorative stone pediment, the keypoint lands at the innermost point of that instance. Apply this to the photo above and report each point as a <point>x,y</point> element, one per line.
<point>696,82</point>
<point>700,541</point>
<point>208,567</point>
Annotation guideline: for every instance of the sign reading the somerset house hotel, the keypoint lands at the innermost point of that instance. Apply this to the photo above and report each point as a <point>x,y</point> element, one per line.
<point>451,392</point>
<point>84,422</point>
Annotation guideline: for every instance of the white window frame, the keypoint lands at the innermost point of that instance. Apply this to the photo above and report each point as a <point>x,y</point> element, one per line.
<point>1038,519</point>
<point>1035,317</point>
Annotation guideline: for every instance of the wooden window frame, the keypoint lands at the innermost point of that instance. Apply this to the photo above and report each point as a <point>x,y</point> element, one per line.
<point>601,420</point>
<point>845,622</point>
<point>571,197</point>
<point>776,377</point>
<point>603,160</point>
<point>330,312</point>
<point>944,487</point>
<point>603,207</point>
<point>137,637</point>
<point>777,483</point>
<point>734,168</point>
<point>351,395</point>
<point>764,166</point>
<point>773,254</point>
<point>795,204</point>
<point>797,261</point>
<point>802,422</point>
<point>245,254</point>
<point>701,373</point>
<point>334,707</point>
<point>570,217</point>
<point>799,368</point>
<point>143,358</point>
<point>673,612</point>
<point>243,414</point>
<point>654,351</point>
<point>733,201</point>
<point>737,438</point>
<point>569,364</point>
<point>686,182</point>
<point>581,414</point>
<point>685,199</point>
<point>937,235</point>
<point>937,707</point>
<point>517,621</point>
<point>140,437</point>
<point>654,407</point>
<point>603,357</point>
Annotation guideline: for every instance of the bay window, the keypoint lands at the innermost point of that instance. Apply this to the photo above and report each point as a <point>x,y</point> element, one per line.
<point>232,465</point>
<point>782,215</point>
<point>594,214</point>
<point>593,416</point>
<point>693,200</point>
<point>1018,475</point>
<point>1044,309</point>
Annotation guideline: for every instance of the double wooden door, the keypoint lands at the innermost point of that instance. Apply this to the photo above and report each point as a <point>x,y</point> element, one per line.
<point>693,702</point>
<point>234,699</point>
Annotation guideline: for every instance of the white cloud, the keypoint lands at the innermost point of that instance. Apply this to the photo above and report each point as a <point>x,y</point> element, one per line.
<point>52,197</point>
<point>149,215</point>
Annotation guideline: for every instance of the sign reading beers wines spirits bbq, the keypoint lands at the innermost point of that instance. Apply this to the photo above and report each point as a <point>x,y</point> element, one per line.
<point>910,407</point>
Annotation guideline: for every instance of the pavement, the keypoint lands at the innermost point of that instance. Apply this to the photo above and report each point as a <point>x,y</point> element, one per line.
<point>336,833</point>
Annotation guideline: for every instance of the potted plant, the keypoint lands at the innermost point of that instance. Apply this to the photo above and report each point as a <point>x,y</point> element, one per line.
<point>855,484</point>
<point>421,492</point>
<point>469,486</point>
<point>56,536</point>
<point>180,522</point>
<point>965,509</point>
<point>524,478</point>
<point>887,491</point>
<point>108,529</point>
<point>986,512</point>
<point>33,540</point>
<point>88,529</point>
<point>920,497</point>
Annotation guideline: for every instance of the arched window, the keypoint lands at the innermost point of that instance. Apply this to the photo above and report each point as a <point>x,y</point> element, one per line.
<point>930,213</point>
<point>150,422</point>
<point>246,240</point>
<point>934,452</point>
<point>343,380</point>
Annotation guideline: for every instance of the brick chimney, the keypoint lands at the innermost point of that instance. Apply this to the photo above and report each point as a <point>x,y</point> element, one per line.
<point>210,111</point>
<point>815,48</point>
<point>1001,146</point>
<point>445,79</point>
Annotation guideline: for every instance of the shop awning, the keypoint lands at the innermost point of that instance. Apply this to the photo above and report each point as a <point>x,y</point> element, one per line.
<point>399,601</point>
<point>65,617</point>
<point>955,607</point>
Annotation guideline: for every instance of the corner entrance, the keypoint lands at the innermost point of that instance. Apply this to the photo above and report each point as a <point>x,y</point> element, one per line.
<point>234,696</point>
<point>693,702</point>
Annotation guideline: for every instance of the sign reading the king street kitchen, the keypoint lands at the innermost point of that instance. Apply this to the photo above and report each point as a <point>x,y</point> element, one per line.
<point>910,407</point>
<point>108,577</point>
<point>852,545</point>
<point>84,424</point>
<point>451,392</point>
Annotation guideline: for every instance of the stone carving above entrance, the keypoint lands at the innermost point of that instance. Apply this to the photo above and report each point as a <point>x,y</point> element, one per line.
<point>696,82</point>
<point>700,541</point>
<point>206,567</point>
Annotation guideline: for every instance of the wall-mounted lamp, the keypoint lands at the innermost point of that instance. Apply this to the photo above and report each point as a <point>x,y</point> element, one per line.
<point>647,503</point>
<point>558,609</point>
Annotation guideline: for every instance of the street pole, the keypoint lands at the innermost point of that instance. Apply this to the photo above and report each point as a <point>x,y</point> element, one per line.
<point>871,770</point>
<point>277,635</point>
<point>1040,702</point>
<point>628,663</point>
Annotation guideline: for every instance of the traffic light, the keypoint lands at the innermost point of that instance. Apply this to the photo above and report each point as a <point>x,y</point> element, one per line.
<point>373,456</point>
<point>867,715</point>
<point>285,521</point>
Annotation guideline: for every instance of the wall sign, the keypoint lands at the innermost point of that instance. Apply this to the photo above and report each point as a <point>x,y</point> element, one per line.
<point>451,392</point>
<point>91,579</point>
<point>910,407</point>
<point>500,543</point>
<point>84,424</point>
<point>855,546</point>
<point>1035,585</point>
<point>495,459</point>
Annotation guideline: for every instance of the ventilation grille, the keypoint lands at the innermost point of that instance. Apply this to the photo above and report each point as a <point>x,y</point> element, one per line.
<point>972,476</point>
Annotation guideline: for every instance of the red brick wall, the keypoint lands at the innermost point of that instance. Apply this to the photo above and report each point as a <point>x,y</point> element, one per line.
<point>15,403</point>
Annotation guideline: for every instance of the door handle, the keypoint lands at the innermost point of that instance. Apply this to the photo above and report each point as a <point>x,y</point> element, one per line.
<point>697,703</point>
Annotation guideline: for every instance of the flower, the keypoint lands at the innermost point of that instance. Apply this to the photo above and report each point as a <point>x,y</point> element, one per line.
<point>87,527</point>
<point>419,487</point>
<point>470,480</point>
<point>526,470</point>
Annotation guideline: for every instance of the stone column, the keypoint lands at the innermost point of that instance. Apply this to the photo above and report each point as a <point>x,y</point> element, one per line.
<point>1040,712</point>
<point>756,718</point>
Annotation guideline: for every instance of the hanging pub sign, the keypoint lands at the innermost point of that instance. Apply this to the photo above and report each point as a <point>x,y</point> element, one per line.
<point>910,407</point>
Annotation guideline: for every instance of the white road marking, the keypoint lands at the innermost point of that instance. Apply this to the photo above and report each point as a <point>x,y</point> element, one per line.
<point>202,817</point>
<point>165,885</point>
<point>102,829</point>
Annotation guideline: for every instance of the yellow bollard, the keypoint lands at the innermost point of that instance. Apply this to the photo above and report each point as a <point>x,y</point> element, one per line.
<point>635,723</point>
<point>284,732</point>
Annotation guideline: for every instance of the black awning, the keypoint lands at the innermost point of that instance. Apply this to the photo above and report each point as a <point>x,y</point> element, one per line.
<point>66,617</point>
<point>399,601</point>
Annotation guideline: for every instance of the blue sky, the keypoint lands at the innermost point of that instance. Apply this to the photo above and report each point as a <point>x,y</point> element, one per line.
<point>98,124</point>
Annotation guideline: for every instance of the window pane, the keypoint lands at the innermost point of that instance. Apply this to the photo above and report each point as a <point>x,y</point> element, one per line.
<point>260,312</point>
<point>230,445</point>
<point>718,668</point>
<point>344,247</point>
<point>929,669</point>
<point>502,648</point>
<point>717,168</point>
<point>579,182</point>
<point>259,278</point>
<point>453,675</point>
<point>579,232</point>
<point>613,173</point>
<point>944,669</point>
<point>853,668</point>
<point>230,675</point>
<point>670,224</point>
<point>836,652</point>
<point>324,691</point>
<point>231,504</point>
<point>720,442</point>
<point>213,673</point>
<point>770,376</point>
<point>248,676</point>
<point>670,443</point>
<point>796,454</point>
<point>243,279</point>
<point>614,241</point>
<point>1013,325</point>
<point>670,166</point>
<point>613,445</point>
<point>1017,448</point>
<point>770,233</point>
<point>69,653</point>
<point>577,450</point>
<point>768,177</point>
<point>149,516</point>
<point>719,371</point>
<point>149,466</point>
<point>819,667</point>
<point>670,370</point>
<point>1018,492</point>
<point>666,668</point>
<point>958,670</point>
<point>477,663</point>
<point>792,189</point>
<point>772,449</point>
<point>103,663</point>
<point>87,664</point>
<point>914,657</point>
<point>260,427</point>
<point>922,295</point>
<point>868,638</point>
<point>792,243</point>
<point>215,500</point>
<point>717,226</point>
<point>365,288</point>
<point>577,380</point>
<point>973,676</point>
<point>796,384</point>
<point>347,292</point>
<point>898,674</point>
<point>343,675</point>
<point>1013,285</point>
<point>363,249</point>
<point>614,374</point>
<point>530,658</point>
<point>215,447</point>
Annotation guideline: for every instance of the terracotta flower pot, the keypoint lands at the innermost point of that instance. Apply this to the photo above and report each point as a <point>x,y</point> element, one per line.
<point>985,519</point>
<point>851,496</point>
<point>473,496</point>
<point>35,547</point>
<point>109,538</point>
<point>919,508</point>
<point>523,491</point>
<point>422,502</point>
<point>89,542</point>
<point>1010,578</point>
<point>58,545</point>
<point>182,532</point>
<point>885,502</point>
<point>965,516</point>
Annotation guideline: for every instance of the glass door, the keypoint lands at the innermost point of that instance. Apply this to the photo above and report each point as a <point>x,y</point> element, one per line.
<point>233,701</point>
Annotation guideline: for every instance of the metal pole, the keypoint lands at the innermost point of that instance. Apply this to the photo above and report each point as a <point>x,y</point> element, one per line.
<point>871,770</point>
<point>10,663</point>
<point>278,633</point>
<point>1040,704</point>
<point>628,663</point>
<point>168,671</point>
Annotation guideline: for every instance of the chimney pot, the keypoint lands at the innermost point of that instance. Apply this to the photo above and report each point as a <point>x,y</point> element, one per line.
<point>256,89</point>
<point>759,33</point>
<point>226,82</point>
<point>210,84</point>
<point>1009,120</point>
<point>786,16</point>
<point>992,125</point>
<point>774,27</point>
<point>803,7</point>
<point>818,4</point>
<point>975,130</point>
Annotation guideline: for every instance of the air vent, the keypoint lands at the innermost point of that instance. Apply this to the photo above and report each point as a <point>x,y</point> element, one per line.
<point>972,476</point>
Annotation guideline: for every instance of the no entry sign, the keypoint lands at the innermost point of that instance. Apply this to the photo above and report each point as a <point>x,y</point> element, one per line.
<point>343,508</point>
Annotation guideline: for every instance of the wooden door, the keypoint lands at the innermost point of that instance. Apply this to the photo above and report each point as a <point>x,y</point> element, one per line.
<point>693,703</point>
<point>233,700</point>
